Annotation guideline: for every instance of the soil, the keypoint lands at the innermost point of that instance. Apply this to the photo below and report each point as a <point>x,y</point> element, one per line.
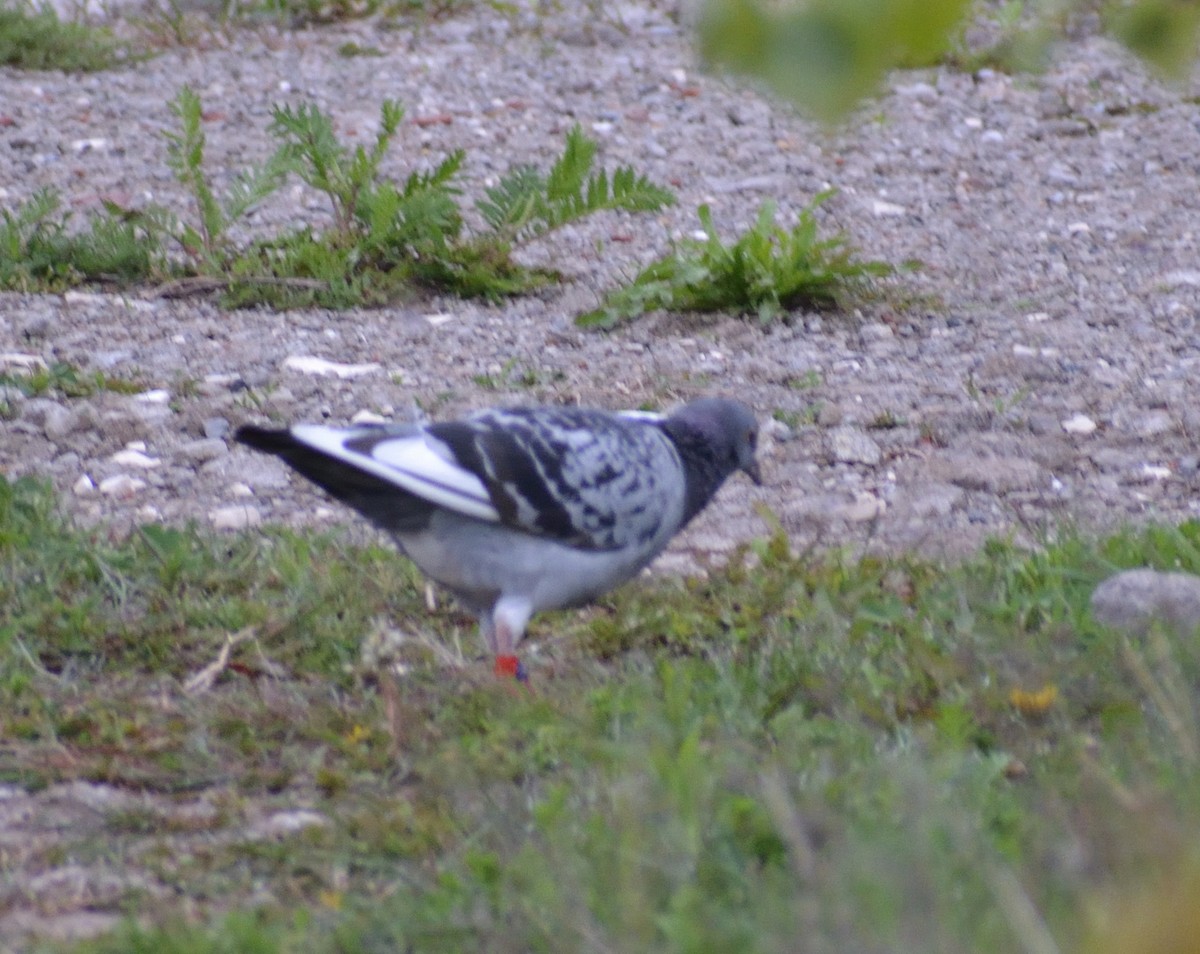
<point>1034,372</point>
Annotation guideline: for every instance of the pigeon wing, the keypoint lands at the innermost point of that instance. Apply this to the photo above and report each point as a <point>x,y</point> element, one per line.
<point>589,479</point>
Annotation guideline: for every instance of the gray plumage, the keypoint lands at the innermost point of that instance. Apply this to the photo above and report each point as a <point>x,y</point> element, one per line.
<point>525,509</point>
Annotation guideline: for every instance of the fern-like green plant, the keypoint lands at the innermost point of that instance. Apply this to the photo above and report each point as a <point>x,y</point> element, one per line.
<point>525,204</point>
<point>765,272</point>
<point>310,148</point>
<point>419,220</point>
<point>205,241</point>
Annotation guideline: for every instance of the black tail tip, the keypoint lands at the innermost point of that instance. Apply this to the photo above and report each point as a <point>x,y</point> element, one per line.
<point>268,439</point>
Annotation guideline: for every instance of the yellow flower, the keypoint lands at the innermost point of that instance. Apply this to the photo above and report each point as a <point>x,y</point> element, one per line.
<point>331,899</point>
<point>1033,703</point>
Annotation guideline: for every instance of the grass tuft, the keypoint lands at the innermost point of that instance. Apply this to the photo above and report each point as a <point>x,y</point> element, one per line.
<point>765,272</point>
<point>39,40</point>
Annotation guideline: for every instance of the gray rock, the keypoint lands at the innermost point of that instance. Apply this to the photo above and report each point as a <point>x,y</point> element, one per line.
<point>1152,423</point>
<point>927,499</point>
<point>215,427</point>
<point>1134,599</point>
<point>36,327</point>
<point>874,333</point>
<point>34,411</point>
<point>994,474</point>
<point>829,415</point>
<point>205,449</point>
<point>235,517</point>
<point>62,421</point>
<point>849,445</point>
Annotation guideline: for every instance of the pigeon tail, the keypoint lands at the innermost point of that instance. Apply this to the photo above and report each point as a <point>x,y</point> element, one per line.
<point>377,499</point>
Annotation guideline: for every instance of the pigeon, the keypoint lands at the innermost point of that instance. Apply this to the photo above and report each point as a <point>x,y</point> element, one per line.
<point>524,509</point>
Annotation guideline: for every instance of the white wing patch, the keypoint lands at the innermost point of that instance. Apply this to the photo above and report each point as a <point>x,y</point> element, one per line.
<point>650,417</point>
<point>409,462</point>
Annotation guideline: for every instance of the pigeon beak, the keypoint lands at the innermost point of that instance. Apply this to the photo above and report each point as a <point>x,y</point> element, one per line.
<point>751,470</point>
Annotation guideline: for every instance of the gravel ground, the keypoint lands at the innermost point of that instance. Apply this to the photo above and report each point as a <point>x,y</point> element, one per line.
<point>1033,372</point>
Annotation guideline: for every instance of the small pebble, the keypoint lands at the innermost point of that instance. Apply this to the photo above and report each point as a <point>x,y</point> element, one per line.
<point>205,449</point>
<point>135,458</point>
<point>121,486</point>
<point>236,517</point>
<point>849,445</point>
<point>1079,424</point>
<point>306,364</point>
<point>215,427</point>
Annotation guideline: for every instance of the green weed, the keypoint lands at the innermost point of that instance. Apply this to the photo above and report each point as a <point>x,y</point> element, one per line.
<point>766,272</point>
<point>205,241</point>
<point>64,378</point>
<point>388,241</point>
<point>39,252</point>
<point>526,204</point>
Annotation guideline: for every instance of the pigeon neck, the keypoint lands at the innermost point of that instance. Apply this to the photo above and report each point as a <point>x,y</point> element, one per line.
<point>702,472</point>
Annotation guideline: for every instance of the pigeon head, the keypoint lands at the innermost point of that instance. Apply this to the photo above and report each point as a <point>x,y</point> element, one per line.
<point>729,431</point>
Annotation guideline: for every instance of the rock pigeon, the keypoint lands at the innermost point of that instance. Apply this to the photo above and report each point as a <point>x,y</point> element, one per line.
<point>525,509</point>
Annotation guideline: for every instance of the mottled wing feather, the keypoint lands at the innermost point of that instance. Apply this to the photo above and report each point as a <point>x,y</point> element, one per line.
<point>586,478</point>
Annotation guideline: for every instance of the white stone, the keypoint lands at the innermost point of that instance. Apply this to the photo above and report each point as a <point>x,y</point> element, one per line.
<point>1079,424</point>
<point>439,318</point>
<point>308,364</point>
<point>884,209</point>
<point>236,517</point>
<point>135,458</point>
<point>1184,277</point>
<point>289,822</point>
<point>21,362</point>
<point>367,417</point>
<point>96,144</point>
<point>865,507</point>
<point>240,489</point>
<point>155,396</point>
<point>1156,471</point>
<point>83,486</point>
<point>121,485</point>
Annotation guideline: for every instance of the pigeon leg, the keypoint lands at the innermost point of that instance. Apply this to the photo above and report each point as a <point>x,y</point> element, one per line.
<point>509,619</point>
<point>487,629</point>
